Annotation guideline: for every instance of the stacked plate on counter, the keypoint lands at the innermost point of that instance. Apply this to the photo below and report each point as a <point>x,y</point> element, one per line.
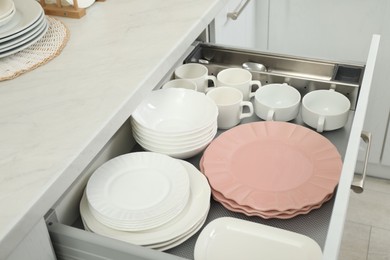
<point>7,11</point>
<point>271,169</point>
<point>147,199</point>
<point>176,122</point>
<point>26,25</point>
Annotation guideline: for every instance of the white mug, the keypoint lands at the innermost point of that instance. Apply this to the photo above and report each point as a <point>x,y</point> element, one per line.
<point>238,78</point>
<point>277,102</point>
<point>230,106</point>
<point>180,83</point>
<point>197,73</point>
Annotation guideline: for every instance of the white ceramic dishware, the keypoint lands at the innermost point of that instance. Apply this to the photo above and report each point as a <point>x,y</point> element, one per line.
<point>238,78</point>
<point>138,191</point>
<point>230,106</point>
<point>180,83</point>
<point>180,151</point>
<point>7,11</point>
<point>325,110</point>
<point>169,234</point>
<point>231,238</point>
<point>28,14</point>
<point>27,26</point>
<point>197,73</point>
<point>277,102</point>
<point>175,121</point>
<point>155,137</point>
<point>176,111</point>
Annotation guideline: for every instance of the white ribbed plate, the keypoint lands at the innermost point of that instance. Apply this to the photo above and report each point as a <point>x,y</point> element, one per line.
<point>134,189</point>
<point>195,211</point>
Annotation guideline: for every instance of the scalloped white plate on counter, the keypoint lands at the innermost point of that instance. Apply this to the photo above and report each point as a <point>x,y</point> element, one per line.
<point>231,239</point>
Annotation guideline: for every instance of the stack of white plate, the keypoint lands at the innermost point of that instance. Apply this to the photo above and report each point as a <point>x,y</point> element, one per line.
<point>177,122</point>
<point>147,199</point>
<point>25,27</point>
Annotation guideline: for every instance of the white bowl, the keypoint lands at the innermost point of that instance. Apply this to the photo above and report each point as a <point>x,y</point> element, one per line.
<point>277,102</point>
<point>189,135</point>
<point>176,153</point>
<point>173,142</point>
<point>165,144</point>
<point>325,110</point>
<point>175,111</point>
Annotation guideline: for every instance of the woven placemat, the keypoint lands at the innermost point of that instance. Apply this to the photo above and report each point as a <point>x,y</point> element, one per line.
<point>39,53</point>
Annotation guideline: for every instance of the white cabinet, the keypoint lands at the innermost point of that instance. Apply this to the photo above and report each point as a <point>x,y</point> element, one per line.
<point>336,30</point>
<point>240,32</point>
<point>377,120</point>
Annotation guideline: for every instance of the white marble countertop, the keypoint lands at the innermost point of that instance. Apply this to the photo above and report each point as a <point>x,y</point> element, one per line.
<point>55,119</point>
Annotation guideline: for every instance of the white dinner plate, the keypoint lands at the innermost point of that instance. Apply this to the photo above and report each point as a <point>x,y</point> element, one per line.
<point>24,38</point>
<point>7,19</point>
<point>165,245</point>
<point>26,15</point>
<point>181,239</point>
<point>195,210</point>
<point>231,238</point>
<point>134,188</point>
<point>26,44</point>
<point>6,8</point>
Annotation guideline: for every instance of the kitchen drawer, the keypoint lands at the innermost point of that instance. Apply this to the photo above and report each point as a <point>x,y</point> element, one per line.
<point>324,225</point>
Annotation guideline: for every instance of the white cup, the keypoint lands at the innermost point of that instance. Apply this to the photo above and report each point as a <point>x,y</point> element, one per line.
<point>180,83</point>
<point>277,102</point>
<point>230,106</point>
<point>325,110</point>
<point>197,73</point>
<point>238,78</point>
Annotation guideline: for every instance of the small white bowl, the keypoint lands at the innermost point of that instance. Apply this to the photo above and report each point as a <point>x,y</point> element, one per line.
<point>325,110</point>
<point>277,102</point>
<point>176,111</point>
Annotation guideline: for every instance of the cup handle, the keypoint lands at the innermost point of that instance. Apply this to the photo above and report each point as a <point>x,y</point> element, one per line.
<point>213,79</point>
<point>270,115</point>
<point>249,105</point>
<point>256,82</point>
<point>320,124</point>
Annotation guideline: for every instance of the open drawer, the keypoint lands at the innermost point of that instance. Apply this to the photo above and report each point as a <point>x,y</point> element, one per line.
<point>324,225</point>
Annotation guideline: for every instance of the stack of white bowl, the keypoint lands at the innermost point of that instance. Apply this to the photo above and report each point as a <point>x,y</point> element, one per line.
<point>176,122</point>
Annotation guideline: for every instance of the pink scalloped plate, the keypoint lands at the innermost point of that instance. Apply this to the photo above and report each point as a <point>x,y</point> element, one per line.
<point>272,166</point>
<point>287,214</point>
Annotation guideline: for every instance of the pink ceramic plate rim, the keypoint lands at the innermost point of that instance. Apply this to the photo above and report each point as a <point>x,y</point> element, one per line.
<point>278,216</point>
<point>232,206</point>
<point>272,166</point>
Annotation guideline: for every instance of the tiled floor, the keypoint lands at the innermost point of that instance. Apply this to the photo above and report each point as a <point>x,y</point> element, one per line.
<point>367,230</point>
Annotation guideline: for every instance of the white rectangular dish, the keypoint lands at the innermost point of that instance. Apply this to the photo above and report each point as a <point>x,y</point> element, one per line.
<point>231,238</point>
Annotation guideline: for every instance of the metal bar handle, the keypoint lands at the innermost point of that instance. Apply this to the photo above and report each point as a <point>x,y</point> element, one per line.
<point>234,15</point>
<point>358,185</point>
